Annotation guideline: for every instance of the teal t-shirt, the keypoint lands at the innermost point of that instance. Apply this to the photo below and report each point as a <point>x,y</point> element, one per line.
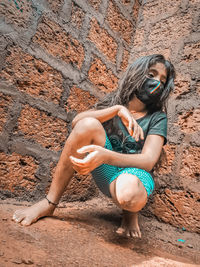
<point>121,140</point>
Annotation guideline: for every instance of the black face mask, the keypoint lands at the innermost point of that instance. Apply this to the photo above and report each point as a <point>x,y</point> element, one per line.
<point>150,92</point>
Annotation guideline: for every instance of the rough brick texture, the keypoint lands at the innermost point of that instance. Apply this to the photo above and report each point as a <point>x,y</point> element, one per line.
<point>55,5</point>
<point>17,172</point>
<point>192,52</point>
<point>189,121</point>
<point>177,208</point>
<point>32,76</point>
<point>5,101</point>
<point>119,23</point>
<point>58,43</point>
<point>77,16</point>
<point>166,160</point>
<point>124,63</point>
<point>102,77</point>
<point>159,7</point>
<point>103,41</point>
<point>169,32</point>
<point>17,13</point>
<point>171,28</point>
<point>59,57</point>
<point>79,100</point>
<point>48,131</point>
<point>95,3</point>
<point>190,167</point>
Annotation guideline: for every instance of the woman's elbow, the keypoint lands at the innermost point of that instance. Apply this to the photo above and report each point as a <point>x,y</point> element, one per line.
<point>149,166</point>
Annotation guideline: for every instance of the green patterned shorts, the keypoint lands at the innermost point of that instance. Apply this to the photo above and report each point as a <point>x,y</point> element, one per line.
<point>105,174</point>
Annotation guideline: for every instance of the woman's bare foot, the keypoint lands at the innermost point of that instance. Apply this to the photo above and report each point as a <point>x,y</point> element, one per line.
<point>32,214</point>
<point>129,226</point>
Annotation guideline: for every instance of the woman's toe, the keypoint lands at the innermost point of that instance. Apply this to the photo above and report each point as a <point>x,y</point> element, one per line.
<point>120,231</point>
<point>18,217</point>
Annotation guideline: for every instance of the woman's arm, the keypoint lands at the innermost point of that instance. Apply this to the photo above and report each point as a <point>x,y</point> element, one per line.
<point>101,115</point>
<point>99,155</point>
<point>108,113</point>
<point>146,160</point>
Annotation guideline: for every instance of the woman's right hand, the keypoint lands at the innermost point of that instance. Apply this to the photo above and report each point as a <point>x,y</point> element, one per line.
<point>131,124</point>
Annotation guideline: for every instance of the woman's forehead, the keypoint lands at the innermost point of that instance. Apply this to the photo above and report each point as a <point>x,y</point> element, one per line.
<point>160,68</point>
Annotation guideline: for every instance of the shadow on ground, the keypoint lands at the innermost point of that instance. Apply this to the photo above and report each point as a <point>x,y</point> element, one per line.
<point>83,234</point>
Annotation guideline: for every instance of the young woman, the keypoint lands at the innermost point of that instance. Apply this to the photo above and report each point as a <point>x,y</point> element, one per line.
<point>119,143</point>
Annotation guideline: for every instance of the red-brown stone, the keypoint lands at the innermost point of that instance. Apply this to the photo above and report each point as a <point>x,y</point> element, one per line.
<point>119,23</point>
<point>5,102</point>
<point>166,161</point>
<point>58,43</point>
<point>102,77</point>
<point>95,3</point>
<point>190,167</point>
<point>48,131</point>
<point>17,172</point>
<point>103,41</point>
<point>32,76</point>
<point>178,208</point>
<point>189,121</point>
<point>80,100</point>
<point>17,13</point>
<point>124,63</point>
<point>77,15</point>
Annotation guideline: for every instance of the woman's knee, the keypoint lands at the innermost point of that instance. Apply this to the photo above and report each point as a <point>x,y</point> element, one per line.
<point>88,125</point>
<point>129,192</point>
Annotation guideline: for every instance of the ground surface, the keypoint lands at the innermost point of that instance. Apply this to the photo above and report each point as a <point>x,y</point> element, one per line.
<point>83,234</point>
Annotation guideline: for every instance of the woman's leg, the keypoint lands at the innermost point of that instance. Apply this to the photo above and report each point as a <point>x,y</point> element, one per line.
<point>86,131</point>
<point>130,195</point>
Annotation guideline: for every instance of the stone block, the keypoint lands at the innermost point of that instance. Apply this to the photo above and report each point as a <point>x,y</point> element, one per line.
<point>170,30</point>
<point>5,102</point>
<point>102,77</point>
<point>95,4</point>
<point>32,76</point>
<point>182,84</point>
<point>79,100</point>
<point>192,52</point>
<point>139,38</point>
<point>189,121</point>
<point>17,13</point>
<point>60,44</point>
<point>48,131</point>
<point>178,208</point>
<point>119,23</point>
<point>17,172</point>
<point>125,58</point>
<point>77,16</point>
<point>55,6</point>
<point>164,165</point>
<point>190,167</point>
<point>103,41</point>
<point>157,8</point>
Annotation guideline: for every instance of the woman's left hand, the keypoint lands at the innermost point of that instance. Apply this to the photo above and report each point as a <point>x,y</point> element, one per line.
<point>94,159</point>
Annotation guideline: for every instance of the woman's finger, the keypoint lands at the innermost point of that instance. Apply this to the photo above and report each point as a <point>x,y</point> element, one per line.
<point>77,162</point>
<point>135,131</point>
<point>84,162</point>
<point>141,133</point>
<point>130,126</point>
<point>85,149</point>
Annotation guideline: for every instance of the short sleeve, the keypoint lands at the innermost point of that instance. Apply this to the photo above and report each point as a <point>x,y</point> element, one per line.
<point>158,125</point>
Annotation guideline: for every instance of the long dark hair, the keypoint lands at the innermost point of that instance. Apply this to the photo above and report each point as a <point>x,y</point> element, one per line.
<point>133,79</point>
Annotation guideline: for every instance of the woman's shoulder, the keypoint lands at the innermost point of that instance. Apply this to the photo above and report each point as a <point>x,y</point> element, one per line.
<point>158,115</point>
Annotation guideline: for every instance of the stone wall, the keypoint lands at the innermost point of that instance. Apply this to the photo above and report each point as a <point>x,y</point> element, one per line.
<point>59,57</point>
<point>172,28</point>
